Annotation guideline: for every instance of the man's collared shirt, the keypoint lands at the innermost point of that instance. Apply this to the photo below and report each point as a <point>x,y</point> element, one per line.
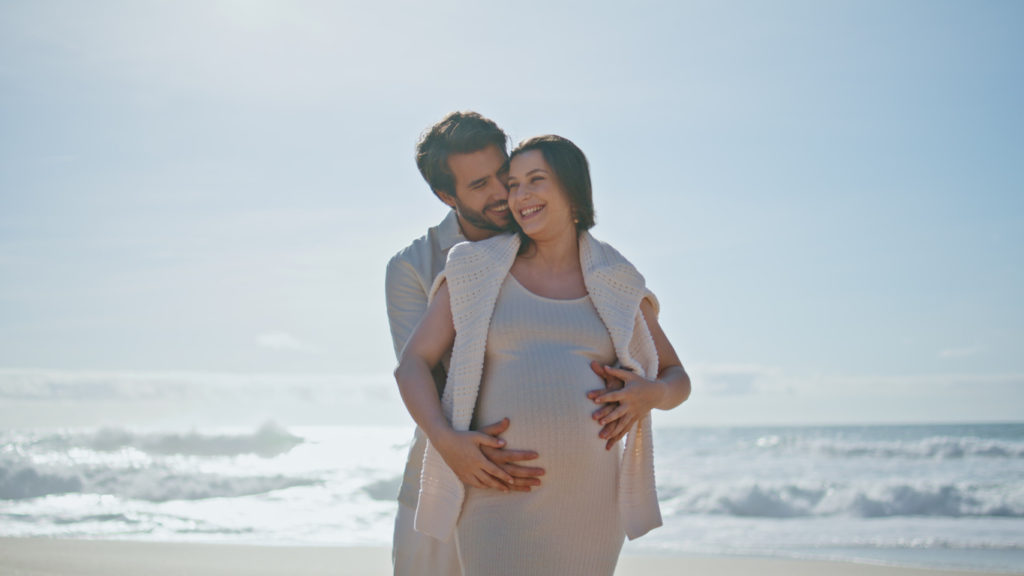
<point>410,275</point>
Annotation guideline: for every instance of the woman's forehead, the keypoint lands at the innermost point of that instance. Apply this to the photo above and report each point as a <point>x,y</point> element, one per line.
<point>528,161</point>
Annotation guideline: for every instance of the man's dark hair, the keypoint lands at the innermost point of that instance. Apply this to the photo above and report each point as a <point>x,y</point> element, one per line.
<point>456,133</point>
<point>572,170</point>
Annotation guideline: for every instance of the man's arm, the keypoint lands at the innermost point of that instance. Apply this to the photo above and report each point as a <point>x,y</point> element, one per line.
<point>406,299</point>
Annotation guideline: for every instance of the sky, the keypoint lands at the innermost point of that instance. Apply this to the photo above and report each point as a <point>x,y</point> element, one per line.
<point>826,196</point>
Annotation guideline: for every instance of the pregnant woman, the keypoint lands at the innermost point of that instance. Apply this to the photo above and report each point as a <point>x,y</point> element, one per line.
<point>525,316</point>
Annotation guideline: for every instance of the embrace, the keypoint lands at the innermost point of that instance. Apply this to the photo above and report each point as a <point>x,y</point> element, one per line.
<point>530,357</point>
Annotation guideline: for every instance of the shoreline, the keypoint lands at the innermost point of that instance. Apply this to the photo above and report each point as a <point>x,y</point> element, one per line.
<point>35,556</point>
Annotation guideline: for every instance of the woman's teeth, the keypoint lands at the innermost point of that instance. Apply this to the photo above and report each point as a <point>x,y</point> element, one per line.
<point>528,211</point>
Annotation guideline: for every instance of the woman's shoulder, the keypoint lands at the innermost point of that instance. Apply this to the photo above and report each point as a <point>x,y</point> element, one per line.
<point>600,253</point>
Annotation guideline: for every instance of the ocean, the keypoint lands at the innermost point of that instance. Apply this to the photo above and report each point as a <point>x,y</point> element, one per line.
<point>944,496</point>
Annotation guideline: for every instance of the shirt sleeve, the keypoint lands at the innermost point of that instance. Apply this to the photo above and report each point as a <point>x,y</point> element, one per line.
<point>406,299</point>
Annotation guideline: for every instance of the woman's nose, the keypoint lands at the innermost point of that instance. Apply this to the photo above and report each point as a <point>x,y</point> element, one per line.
<point>517,192</point>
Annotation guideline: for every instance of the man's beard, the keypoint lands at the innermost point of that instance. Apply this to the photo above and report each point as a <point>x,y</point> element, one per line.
<point>478,220</point>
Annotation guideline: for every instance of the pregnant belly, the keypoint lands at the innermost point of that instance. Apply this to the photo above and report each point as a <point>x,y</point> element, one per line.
<point>551,416</point>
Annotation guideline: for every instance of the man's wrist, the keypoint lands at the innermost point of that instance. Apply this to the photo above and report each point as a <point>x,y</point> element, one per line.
<point>441,435</point>
<point>662,393</point>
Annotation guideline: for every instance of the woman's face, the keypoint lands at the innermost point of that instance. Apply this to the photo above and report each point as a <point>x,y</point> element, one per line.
<point>538,202</point>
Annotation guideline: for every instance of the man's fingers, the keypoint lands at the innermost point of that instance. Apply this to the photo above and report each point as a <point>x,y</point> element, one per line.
<point>598,368</point>
<point>621,374</point>
<point>621,427</point>
<point>504,478</point>
<point>489,481</point>
<point>495,429</point>
<point>503,456</point>
<point>523,473</point>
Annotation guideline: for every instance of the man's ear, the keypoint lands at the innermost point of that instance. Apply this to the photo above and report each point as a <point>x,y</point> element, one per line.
<point>446,198</point>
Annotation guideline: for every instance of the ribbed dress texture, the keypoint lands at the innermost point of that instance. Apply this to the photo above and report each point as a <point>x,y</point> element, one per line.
<point>537,373</point>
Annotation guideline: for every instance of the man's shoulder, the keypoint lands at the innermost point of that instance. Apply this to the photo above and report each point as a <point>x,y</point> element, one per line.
<point>415,252</point>
<point>420,250</point>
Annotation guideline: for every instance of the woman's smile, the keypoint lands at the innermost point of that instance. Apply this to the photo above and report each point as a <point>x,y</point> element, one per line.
<point>527,213</point>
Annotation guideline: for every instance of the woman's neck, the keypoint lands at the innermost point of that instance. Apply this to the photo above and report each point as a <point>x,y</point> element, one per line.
<point>555,254</point>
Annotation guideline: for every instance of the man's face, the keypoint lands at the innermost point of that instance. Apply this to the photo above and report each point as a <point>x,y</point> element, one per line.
<point>481,196</point>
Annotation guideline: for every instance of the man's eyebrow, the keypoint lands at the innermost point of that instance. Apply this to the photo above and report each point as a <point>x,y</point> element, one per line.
<point>478,181</point>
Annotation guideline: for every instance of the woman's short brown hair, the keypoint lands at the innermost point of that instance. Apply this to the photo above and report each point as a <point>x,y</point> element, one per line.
<point>570,166</point>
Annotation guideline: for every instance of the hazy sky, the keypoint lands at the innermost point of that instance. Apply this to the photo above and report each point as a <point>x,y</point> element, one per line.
<point>828,197</point>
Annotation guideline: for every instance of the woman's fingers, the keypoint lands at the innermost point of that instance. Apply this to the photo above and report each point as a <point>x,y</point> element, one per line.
<point>486,465</point>
<point>486,440</point>
<point>620,411</point>
<point>603,411</point>
<point>608,396</point>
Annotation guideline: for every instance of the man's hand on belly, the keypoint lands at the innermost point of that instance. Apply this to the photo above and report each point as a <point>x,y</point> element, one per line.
<point>523,477</point>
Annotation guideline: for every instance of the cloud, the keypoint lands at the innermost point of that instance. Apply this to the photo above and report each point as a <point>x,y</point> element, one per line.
<point>281,341</point>
<point>733,379</point>
<point>960,352</point>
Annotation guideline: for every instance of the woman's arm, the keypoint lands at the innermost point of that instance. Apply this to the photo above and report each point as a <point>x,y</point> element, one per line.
<point>435,335</point>
<point>639,395</point>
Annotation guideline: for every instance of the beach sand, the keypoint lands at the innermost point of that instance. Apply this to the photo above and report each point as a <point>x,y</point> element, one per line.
<point>51,557</point>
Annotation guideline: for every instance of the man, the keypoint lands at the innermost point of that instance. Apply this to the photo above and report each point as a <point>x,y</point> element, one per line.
<point>464,160</point>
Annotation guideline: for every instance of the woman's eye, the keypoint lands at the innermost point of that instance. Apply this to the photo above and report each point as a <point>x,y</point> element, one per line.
<point>536,179</point>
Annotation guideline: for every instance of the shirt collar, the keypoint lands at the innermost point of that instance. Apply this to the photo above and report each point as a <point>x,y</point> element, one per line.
<point>448,232</point>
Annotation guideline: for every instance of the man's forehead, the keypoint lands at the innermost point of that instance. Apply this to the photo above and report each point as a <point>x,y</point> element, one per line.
<point>478,164</point>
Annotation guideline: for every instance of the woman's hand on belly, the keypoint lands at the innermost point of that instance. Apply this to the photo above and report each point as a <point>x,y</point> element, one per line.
<point>463,453</point>
<point>635,398</point>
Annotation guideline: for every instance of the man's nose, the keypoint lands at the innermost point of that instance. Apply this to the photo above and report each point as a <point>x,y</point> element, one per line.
<point>500,188</point>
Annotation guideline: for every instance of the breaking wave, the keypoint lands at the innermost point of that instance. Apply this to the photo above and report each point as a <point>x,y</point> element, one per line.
<point>795,501</point>
<point>268,441</point>
<point>940,448</point>
<point>21,479</point>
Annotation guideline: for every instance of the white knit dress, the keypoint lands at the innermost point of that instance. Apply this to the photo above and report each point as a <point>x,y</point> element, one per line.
<point>537,373</point>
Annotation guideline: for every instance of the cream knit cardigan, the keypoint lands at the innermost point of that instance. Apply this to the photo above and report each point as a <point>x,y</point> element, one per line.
<point>475,272</point>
